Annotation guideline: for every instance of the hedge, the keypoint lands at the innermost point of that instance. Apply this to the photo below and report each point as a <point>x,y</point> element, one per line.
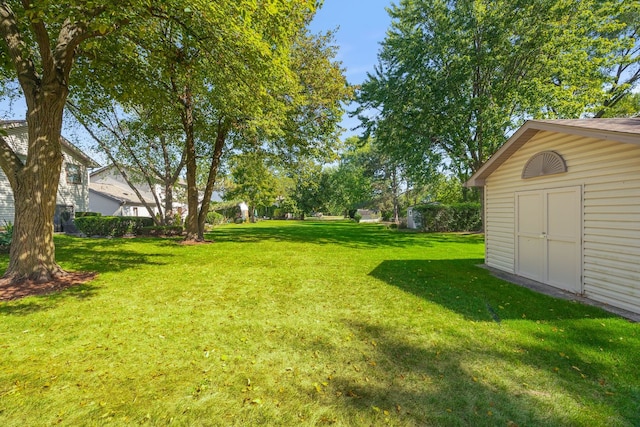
<point>83,214</point>
<point>116,226</point>
<point>448,218</point>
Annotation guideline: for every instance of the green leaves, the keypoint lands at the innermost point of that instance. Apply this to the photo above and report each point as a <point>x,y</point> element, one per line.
<point>455,78</point>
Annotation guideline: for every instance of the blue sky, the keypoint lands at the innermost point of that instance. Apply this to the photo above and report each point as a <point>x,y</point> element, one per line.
<point>361,26</point>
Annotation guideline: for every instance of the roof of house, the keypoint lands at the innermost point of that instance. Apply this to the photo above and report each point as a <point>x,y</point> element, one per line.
<point>77,152</point>
<point>120,194</point>
<point>621,130</point>
<point>130,171</point>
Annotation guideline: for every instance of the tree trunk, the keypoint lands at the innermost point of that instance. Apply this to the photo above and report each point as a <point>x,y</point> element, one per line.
<point>221,137</point>
<point>191,224</point>
<point>395,188</point>
<point>32,254</point>
<point>169,214</point>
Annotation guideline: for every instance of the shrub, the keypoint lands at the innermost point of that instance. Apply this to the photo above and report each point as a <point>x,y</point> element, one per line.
<point>447,218</point>
<point>83,214</point>
<point>215,218</point>
<point>177,219</point>
<point>6,235</point>
<point>357,217</point>
<point>116,226</point>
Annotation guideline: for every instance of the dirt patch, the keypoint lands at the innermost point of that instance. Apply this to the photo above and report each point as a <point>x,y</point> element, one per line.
<point>25,288</point>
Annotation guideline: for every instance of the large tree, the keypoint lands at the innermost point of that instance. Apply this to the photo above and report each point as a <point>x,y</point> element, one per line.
<point>230,78</point>
<point>455,77</point>
<point>40,43</point>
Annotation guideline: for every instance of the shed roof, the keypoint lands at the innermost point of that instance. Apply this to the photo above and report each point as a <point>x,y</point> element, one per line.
<point>621,130</point>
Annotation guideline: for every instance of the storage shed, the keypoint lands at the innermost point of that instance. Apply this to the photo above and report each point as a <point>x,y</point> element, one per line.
<point>562,207</point>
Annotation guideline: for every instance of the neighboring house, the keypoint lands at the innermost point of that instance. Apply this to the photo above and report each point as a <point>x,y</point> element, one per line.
<point>562,207</point>
<point>110,194</point>
<point>73,188</point>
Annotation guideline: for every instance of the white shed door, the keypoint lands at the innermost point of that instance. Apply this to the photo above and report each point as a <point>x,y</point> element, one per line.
<point>548,237</point>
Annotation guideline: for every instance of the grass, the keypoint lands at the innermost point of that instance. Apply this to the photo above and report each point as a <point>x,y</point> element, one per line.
<point>312,323</point>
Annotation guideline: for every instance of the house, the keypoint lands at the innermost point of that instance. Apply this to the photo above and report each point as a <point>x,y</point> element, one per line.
<point>562,207</point>
<point>73,188</point>
<point>110,194</point>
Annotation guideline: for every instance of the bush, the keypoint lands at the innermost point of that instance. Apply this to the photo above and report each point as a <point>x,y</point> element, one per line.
<point>6,236</point>
<point>116,226</point>
<point>357,217</point>
<point>215,218</point>
<point>83,214</point>
<point>447,218</point>
<point>166,230</point>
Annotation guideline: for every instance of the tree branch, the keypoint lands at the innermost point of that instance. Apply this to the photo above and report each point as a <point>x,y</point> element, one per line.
<point>43,41</point>
<point>9,162</point>
<point>16,48</point>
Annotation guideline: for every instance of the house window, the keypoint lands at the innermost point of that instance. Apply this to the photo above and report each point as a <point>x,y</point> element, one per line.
<point>74,174</point>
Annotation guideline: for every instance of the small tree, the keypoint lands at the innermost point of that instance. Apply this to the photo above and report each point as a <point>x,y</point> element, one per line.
<point>253,181</point>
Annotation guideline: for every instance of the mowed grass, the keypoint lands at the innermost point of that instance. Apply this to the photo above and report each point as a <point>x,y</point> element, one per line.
<point>308,323</point>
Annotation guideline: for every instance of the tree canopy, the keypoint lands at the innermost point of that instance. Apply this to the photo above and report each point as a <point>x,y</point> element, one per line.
<point>455,77</point>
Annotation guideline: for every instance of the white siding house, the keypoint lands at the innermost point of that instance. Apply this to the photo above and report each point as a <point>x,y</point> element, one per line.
<point>562,207</point>
<point>73,188</point>
<point>110,194</point>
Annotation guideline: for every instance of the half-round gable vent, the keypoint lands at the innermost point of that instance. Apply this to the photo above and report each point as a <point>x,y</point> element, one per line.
<point>544,163</point>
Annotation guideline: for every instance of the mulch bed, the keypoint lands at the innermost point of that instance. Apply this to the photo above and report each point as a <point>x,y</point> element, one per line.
<point>24,288</point>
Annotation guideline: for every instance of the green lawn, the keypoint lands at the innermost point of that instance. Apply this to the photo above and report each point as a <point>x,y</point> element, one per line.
<point>313,323</point>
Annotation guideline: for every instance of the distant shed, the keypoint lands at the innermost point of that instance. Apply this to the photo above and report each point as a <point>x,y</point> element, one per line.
<point>562,207</point>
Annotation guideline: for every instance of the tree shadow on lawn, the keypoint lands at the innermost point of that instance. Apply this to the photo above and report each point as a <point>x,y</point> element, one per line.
<point>577,343</point>
<point>47,301</point>
<point>461,286</point>
<point>450,392</point>
<point>109,255</point>
<point>83,255</point>
<point>343,233</point>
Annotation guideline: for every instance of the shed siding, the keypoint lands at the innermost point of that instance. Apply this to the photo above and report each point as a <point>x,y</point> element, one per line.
<point>608,173</point>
